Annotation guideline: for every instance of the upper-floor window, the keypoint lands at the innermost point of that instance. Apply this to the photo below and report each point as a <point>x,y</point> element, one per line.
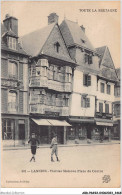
<point>85,102</point>
<point>106,108</point>
<point>86,80</point>
<point>102,87</point>
<point>12,43</point>
<point>12,101</point>
<point>117,91</point>
<point>88,59</point>
<point>57,47</point>
<point>101,107</point>
<point>12,69</point>
<point>108,89</point>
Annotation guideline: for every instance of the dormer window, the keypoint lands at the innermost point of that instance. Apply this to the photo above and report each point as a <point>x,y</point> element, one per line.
<point>88,59</point>
<point>57,47</point>
<point>12,43</point>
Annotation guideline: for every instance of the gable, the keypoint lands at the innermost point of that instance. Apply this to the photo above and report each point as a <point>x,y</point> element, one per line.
<point>49,49</point>
<point>73,34</point>
<point>107,59</point>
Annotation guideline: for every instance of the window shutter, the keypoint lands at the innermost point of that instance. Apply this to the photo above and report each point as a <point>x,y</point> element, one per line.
<point>4,100</point>
<point>88,80</point>
<point>86,58</point>
<point>20,71</point>
<point>87,102</point>
<point>84,79</point>
<point>4,68</point>
<point>20,101</point>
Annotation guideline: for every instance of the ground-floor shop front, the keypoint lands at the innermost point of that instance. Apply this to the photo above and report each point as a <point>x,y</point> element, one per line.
<point>15,129</point>
<point>46,128</point>
<point>89,130</point>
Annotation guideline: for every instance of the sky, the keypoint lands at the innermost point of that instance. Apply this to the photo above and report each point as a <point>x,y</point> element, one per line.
<point>102,28</point>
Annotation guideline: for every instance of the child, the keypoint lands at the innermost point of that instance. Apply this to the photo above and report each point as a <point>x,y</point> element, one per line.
<point>54,148</point>
<point>33,140</point>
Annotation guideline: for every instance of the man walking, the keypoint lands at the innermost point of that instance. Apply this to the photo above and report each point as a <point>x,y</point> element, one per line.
<point>54,146</point>
<point>33,140</point>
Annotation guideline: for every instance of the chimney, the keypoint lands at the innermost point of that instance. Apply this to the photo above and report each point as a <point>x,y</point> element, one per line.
<point>53,17</point>
<point>11,22</point>
<point>83,28</point>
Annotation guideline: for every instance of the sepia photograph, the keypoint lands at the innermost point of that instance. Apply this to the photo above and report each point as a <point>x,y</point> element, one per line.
<point>60,94</point>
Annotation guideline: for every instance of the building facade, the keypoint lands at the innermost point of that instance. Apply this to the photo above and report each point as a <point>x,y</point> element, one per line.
<point>56,82</point>
<point>14,86</point>
<point>50,81</point>
<point>93,86</point>
<point>117,108</point>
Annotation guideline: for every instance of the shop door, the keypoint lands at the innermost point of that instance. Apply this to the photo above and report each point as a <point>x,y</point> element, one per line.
<point>88,133</point>
<point>21,131</point>
<point>43,134</point>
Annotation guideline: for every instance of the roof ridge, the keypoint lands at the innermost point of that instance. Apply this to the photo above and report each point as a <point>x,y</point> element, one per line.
<point>38,30</point>
<point>70,20</point>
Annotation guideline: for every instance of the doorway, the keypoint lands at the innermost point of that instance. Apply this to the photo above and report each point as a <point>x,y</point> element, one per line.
<point>21,131</point>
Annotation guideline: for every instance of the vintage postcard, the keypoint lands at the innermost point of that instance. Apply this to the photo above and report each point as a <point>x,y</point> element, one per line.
<point>60,94</point>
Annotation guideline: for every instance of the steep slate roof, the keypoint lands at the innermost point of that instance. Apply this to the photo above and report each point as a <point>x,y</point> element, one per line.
<point>107,68</point>
<point>105,59</point>
<point>34,41</point>
<point>73,34</point>
<point>118,73</point>
<point>42,42</point>
<point>101,51</point>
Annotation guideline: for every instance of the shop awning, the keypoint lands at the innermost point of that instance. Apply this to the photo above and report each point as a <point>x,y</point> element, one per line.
<point>58,123</point>
<point>43,122</point>
<point>50,122</point>
<point>104,124</point>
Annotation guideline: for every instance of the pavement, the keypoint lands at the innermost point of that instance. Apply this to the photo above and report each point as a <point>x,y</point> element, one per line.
<point>84,143</point>
<point>82,166</point>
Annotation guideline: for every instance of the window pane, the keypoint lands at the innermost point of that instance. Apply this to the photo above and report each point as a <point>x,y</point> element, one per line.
<point>106,108</point>
<point>108,89</point>
<point>102,87</point>
<point>101,107</point>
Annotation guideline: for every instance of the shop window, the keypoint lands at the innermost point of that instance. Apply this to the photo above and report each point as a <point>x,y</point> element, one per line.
<point>85,102</point>
<point>12,101</point>
<point>8,129</point>
<point>12,43</point>
<point>71,134</point>
<point>101,107</point>
<point>12,70</point>
<point>86,80</point>
<point>106,108</point>
<point>102,87</point>
<point>108,89</point>
<point>117,109</point>
<point>88,59</point>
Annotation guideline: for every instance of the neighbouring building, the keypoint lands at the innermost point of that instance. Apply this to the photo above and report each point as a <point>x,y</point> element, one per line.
<point>14,85</point>
<point>51,71</point>
<point>57,82</point>
<point>93,86</point>
<point>117,107</point>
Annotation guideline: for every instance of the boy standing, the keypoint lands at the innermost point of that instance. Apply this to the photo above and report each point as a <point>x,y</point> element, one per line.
<point>33,140</point>
<point>54,146</point>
